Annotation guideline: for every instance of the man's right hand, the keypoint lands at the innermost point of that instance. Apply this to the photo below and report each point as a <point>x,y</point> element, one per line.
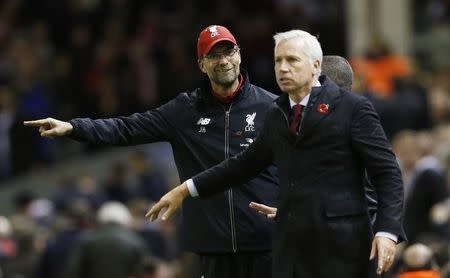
<point>51,127</point>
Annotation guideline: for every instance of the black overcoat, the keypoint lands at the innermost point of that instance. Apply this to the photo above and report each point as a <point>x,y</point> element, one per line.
<point>322,227</point>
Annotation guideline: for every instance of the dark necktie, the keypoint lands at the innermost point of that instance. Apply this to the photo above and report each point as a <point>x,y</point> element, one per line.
<point>296,118</point>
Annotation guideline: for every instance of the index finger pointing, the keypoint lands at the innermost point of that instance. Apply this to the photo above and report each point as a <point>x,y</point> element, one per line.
<point>35,123</point>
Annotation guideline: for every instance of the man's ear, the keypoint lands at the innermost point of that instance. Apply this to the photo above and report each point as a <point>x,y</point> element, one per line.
<point>240,59</point>
<point>201,65</point>
<point>316,66</point>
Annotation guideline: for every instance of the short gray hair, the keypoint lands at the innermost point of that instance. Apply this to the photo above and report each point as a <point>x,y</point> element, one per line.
<point>309,43</point>
<point>338,69</point>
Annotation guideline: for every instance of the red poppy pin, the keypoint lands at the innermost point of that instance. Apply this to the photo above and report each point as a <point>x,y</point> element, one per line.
<point>323,108</point>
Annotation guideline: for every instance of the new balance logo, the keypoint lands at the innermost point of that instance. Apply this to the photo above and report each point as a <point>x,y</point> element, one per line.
<point>204,121</point>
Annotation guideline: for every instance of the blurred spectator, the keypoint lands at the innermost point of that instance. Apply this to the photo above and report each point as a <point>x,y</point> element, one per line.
<point>439,102</point>
<point>40,40</point>
<point>440,212</point>
<point>418,263</point>
<point>115,188</point>
<point>66,230</point>
<point>111,250</point>
<point>150,232</point>
<point>34,99</point>
<point>82,190</point>
<point>380,68</point>
<point>7,246</point>
<point>431,47</point>
<point>148,182</point>
<point>40,211</point>
<point>22,201</point>
<point>145,76</point>
<point>64,85</point>
<point>425,184</point>
<point>408,107</point>
<point>339,70</point>
<point>7,115</point>
<point>154,268</point>
<point>178,63</point>
<point>25,262</point>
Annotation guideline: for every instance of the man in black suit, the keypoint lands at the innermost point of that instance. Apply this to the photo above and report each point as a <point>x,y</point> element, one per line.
<point>339,70</point>
<point>322,227</point>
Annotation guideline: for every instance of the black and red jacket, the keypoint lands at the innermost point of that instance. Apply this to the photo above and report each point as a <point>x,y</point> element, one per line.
<point>203,132</point>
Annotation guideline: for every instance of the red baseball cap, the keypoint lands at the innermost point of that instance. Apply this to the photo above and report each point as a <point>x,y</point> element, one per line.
<point>210,36</point>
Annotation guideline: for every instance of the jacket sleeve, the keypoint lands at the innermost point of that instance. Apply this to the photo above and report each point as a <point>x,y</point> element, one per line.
<point>147,127</point>
<point>237,169</point>
<point>372,146</point>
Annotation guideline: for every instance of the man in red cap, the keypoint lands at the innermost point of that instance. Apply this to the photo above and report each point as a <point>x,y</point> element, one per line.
<point>205,126</point>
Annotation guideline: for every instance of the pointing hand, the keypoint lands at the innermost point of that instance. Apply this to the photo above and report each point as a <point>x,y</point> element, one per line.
<point>50,127</point>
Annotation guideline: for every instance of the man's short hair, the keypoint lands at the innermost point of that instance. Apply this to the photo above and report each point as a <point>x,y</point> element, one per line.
<point>310,44</point>
<point>338,69</point>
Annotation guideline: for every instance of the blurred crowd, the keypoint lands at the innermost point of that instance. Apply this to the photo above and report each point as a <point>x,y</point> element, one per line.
<point>89,225</point>
<point>103,58</point>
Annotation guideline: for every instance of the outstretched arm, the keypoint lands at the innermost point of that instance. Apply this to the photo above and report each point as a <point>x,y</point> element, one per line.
<point>138,128</point>
<point>227,170</point>
<point>233,171</point>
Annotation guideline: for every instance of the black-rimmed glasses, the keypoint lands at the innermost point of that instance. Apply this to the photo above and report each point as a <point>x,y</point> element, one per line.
<point>228,53</point>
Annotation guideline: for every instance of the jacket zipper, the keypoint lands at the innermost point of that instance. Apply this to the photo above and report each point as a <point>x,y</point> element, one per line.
<point>230,191</point>
<point>284,114</point>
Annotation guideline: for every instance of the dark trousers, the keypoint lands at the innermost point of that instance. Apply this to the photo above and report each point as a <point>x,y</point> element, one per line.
<point>234,265</point>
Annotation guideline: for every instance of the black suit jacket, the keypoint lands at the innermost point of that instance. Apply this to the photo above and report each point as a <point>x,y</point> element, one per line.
<point>322,228</point>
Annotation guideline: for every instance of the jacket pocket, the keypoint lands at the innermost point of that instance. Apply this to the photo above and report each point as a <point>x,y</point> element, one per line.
<point>344,227</point>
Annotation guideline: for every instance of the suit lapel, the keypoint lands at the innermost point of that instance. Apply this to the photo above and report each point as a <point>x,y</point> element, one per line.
<point>323,98</point>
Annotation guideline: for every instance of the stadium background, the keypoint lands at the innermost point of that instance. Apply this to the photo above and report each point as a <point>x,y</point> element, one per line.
<point>104,58</point>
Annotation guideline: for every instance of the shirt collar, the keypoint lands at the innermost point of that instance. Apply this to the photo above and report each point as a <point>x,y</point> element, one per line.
<point>305,100</point>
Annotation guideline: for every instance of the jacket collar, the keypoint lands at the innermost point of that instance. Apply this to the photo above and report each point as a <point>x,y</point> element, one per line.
<point>206,96</point>
<point>328,94</point>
